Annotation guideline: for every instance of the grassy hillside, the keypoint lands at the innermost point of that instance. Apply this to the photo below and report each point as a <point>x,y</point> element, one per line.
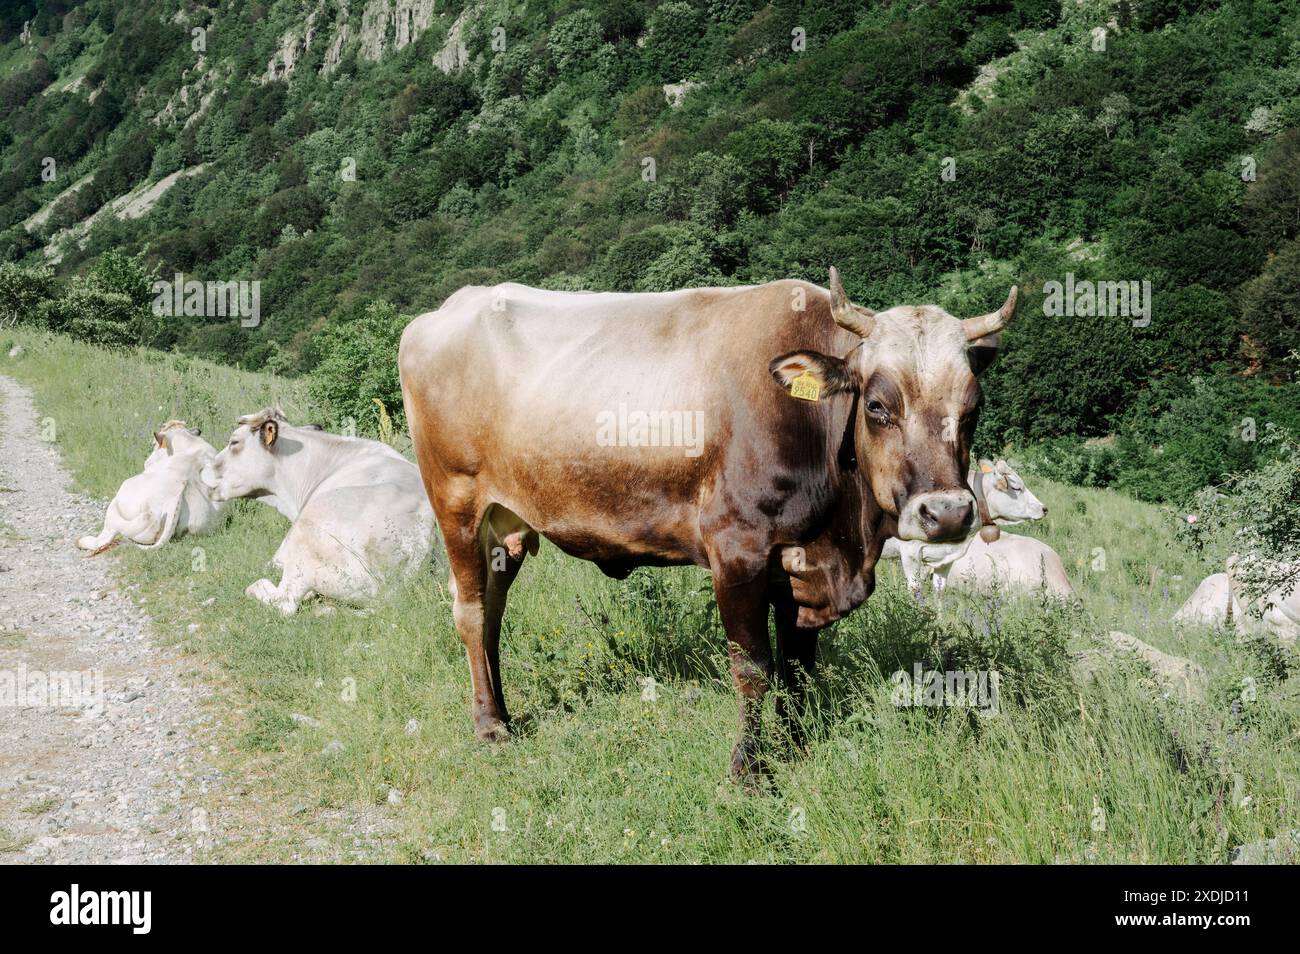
<point>1071,769</point>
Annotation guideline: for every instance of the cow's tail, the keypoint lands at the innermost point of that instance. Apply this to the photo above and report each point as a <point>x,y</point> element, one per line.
<point>169,528</point>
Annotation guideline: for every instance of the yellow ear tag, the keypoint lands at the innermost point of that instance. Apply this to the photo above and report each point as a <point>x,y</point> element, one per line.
<point>805,387</point>
<point>985,469</point>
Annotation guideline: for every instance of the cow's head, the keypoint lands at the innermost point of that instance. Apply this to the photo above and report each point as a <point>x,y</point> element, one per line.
<point>1009,500</point>
<point>914,382</point>
<point>175,438</point>
<point>246,466</point>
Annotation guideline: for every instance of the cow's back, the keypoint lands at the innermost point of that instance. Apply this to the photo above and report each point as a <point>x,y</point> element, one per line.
<point>1011,562</point>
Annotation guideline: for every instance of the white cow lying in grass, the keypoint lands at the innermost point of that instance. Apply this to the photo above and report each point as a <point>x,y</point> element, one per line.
<point>360,515</point>
<point>1012,561</point>
<point>165,501</point>
<point>1219,600</point>
<point>1211,603</point>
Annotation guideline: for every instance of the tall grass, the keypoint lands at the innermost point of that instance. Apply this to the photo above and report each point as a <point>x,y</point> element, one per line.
<point>625,710</point>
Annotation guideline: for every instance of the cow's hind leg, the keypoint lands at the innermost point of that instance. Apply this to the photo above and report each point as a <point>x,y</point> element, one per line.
<point>142,528</point>
<point>97,545</point>
<point>485,557</point>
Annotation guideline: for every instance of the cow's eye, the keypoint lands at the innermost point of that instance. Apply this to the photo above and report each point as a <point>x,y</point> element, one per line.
<point>876,409</point>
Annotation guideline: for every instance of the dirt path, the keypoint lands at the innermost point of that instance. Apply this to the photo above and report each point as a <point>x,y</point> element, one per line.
<point>101,773</point>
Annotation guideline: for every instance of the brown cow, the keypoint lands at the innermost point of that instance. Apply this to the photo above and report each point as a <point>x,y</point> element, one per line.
<point>774,434</point>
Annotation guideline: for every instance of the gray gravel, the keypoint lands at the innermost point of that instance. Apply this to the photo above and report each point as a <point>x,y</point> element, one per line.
<point>77,784</point>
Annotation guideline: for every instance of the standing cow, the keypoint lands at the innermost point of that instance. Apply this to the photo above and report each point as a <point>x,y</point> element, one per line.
<point>774,434</point>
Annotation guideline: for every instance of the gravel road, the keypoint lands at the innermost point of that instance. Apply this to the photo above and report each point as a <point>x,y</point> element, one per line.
<point>100,771</point>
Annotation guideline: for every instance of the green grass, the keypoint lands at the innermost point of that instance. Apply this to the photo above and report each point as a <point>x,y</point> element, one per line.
<point>1070,770</point>
<point>42,806</point>
<point>9,842</point>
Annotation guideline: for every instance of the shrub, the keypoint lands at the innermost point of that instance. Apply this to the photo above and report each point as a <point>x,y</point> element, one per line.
<point>1183,434</point>
<point>111,305</point>
<point>686,264</point>
<point>1270,305</point>
<point>359,366</point>
<point>673,47</point>
<point>104,318</point>
<point>629,257</point>
<point>573,42</point>
<point>1070,460</point>
<point>1256,516</point>
<point>23,291</point>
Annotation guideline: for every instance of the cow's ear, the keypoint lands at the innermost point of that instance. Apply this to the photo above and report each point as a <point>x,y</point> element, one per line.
<point>811,375</point>
<point>982,351</point>
<point>269,432</point>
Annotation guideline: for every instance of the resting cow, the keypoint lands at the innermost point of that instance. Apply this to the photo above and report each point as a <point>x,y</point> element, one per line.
<point>1012,563</point>
<point>774,434</point>
<point>360,518</point>
<point>1211,603</point>
<point>165,501</point>
<point>1007,502</point>
<point>1222,599</point>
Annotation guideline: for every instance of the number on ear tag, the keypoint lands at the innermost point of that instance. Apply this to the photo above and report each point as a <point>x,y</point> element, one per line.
<point>805,387</point>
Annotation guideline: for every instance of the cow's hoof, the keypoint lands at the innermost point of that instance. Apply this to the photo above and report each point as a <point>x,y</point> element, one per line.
<point>492,730</point>
<point>748,768</point>
<point>263,590</point>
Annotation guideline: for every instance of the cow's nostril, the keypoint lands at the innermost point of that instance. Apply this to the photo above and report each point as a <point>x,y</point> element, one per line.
<point>946,517</point>
<point>967,514</point>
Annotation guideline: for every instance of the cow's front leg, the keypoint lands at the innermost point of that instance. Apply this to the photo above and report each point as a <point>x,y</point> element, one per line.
<point>284,597</point>
<point>798,650</point>
<point>743,608</point>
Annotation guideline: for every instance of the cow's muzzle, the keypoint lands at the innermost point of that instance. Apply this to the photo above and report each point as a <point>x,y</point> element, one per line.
<point>938,516</point>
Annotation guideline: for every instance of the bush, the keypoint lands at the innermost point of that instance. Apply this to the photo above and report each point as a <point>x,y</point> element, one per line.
<point>673,42</point>
<point>1184,434</point>
<point>1257,517</point>
<point>22,292</point>
<point>1178,436</point>
<point>573,42</point>
<point>1270,305</point>
<point>111,305</point>
<point>686,264</point>
<point>104,318</point>
<point>629,257</point>
<point>359,366</point>
<point>1070,460</point>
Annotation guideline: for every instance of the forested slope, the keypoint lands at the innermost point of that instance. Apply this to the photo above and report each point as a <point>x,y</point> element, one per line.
<point>343,152</point>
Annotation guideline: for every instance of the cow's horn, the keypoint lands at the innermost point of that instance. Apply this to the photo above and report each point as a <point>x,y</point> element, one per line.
<point>851,317</point>
<point>994,321</point>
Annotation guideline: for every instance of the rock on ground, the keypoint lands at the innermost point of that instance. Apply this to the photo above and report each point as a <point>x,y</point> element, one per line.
<point>1282,850</point>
